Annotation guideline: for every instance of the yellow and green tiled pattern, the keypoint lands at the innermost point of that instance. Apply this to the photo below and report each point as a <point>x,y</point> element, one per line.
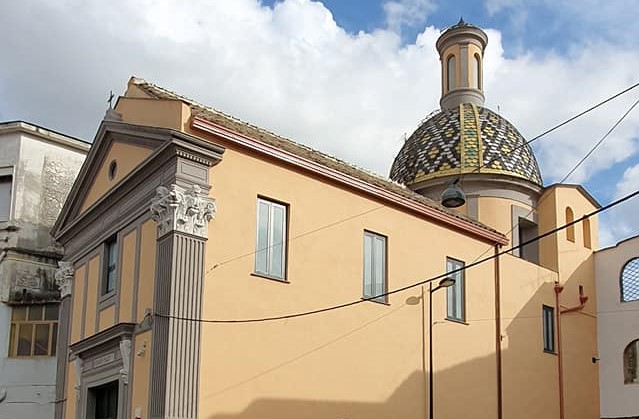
<point>469,139</point>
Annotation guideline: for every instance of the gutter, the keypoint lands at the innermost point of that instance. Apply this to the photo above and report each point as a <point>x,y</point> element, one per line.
<point>498,334</point>
<point>560,368</point>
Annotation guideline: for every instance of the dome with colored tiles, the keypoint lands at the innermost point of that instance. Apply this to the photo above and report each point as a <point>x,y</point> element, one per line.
<point>463,140</point>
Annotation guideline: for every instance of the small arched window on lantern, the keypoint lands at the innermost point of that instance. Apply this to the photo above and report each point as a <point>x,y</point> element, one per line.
<point>629,281</point>
<point>451,66</point>
<point>570,230</point>
<point>477,73</point>
<point>630,364</point>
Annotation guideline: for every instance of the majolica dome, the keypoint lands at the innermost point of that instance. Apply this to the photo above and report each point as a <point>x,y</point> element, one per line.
<point>462,140</point>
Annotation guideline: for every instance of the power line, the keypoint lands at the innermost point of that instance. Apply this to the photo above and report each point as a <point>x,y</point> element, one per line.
<point>548,131</point>
<point>598,143</point>
<point>561,124</point>
<point>588,154</point>
<point>407,287</point>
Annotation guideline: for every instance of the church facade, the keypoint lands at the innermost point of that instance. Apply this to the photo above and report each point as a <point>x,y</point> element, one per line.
<point>216,270</point>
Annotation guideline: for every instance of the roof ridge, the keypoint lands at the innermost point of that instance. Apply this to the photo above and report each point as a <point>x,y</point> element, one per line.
<point>304,151</point>
<point>140,81</point>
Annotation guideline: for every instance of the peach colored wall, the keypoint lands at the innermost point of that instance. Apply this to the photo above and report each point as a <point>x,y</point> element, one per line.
<point>160,113</point>
<point>366,360</point>
<point>127,276</point>
<point>141,374</point>
<point>333,359</point>
<point>71,393</point>
<point>127,157</point>
<point>530,374</point>
<point>77,303</point>
<point>579,329</point>
<point>107,318</point>
<point>146,276</point>
<point>93,279</point>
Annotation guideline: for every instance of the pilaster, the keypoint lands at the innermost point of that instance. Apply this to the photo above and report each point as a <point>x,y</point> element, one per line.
<point>182,215</point>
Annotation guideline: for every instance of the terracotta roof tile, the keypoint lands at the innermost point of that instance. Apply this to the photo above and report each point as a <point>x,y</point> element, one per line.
<point>236,125</point>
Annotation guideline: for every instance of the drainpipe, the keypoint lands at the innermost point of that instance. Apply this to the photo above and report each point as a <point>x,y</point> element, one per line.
<point>582,303</point>
<point>498,334</point>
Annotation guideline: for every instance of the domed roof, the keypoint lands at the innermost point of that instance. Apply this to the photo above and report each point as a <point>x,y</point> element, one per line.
<point>464,139</point>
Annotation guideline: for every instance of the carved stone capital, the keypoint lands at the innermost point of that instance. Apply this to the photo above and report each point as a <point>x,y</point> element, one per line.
<point>64,278</point>
<point>184,210</point>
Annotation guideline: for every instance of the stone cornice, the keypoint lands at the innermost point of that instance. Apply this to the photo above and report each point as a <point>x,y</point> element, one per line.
<point>114,334</point>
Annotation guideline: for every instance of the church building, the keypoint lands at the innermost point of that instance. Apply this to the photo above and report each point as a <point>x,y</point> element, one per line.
<point>216,270</point>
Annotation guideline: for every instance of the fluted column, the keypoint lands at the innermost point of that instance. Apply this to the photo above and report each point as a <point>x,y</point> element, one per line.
<point>182,216</point>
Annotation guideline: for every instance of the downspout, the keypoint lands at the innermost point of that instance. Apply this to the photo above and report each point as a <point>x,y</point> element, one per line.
<point>582,303</point>
<point>560,367</point>
<point>498,334</point>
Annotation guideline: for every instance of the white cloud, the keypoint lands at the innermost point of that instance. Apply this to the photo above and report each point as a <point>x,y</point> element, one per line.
<point>622,221</point>
<point>293,70</point>
<point>407,13</point>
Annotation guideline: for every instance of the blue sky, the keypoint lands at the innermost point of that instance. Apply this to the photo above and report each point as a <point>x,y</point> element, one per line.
<point>349,78</point>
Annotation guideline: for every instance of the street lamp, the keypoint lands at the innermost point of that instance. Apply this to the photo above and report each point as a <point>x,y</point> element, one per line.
<point>444,283</point>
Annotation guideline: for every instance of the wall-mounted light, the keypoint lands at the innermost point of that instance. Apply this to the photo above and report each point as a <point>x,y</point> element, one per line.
<point>453,196</point>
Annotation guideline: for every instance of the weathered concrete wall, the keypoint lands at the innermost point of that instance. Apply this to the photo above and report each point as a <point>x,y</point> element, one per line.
<point>43,173</point>
<point>43,166</point>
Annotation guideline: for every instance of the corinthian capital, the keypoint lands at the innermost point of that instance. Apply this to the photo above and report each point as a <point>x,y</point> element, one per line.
<point>64,278</point>
<point>185,210</point>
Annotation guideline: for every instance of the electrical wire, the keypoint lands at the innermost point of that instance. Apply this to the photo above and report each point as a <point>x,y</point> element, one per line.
<point>407,287</point>
<point>588,154</point>
<point>561,124</point>
<point>598,143</point>
<point>546,132</point>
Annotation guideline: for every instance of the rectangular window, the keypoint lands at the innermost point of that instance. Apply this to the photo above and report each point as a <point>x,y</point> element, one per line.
<point>456,294</point>
<point>548,318</point>
<point>34,330</point>
<point>110,265</point>
<point>270,246</point>
<point>5,197</point>
<point>374,267</point>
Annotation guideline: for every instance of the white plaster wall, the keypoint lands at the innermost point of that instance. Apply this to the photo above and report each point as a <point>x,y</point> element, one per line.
<point>43,168</point>
<point>618,325</point>
<point>29,383</point>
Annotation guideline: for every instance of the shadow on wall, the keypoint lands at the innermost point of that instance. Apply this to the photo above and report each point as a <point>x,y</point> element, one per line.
<point>466,390</point>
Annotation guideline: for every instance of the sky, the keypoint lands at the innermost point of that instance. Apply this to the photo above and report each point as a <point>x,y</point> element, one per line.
<point>350,78</point>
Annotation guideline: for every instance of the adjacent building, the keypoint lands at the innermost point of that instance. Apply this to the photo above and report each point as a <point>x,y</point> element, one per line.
<point>216,270</point>
<point>617,274</point>
<point>37,170</point>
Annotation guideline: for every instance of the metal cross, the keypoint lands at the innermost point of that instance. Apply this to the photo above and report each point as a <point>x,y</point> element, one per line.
<point>110,101</point>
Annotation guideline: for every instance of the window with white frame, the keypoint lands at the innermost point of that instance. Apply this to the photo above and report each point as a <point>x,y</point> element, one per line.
<point>374,267</point>
<point>34,330</point>
<point>548,319</point>
<point>456,294</point>
<point>270,246</point>
<point>5,197</point>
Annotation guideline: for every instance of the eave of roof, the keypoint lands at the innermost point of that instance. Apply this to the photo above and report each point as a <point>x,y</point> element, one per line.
<point>211,120</point>
<point>44,133</point>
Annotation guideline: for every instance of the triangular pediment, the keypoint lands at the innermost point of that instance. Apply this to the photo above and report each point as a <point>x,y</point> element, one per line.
<point>117,151</point>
